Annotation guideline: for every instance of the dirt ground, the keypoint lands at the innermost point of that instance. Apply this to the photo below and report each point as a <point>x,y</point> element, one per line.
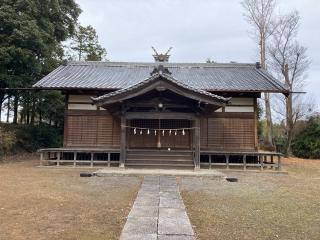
<point>259,206</point>
<point>42,203</point>
<point>38,203</point>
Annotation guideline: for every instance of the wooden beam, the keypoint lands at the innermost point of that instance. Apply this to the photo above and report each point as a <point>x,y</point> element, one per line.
<point>163,83</point>
<point>197,143</point>
<point>123,140</point>
<point>160,115</point>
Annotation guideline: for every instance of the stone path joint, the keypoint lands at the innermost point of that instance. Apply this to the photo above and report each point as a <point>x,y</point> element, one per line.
<point>158,212</point>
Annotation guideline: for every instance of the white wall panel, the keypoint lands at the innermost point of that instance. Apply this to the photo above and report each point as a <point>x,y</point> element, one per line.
<point>242,101</point>
<point>239,109</point>
<point>74,106</point>
<point>80,98</point>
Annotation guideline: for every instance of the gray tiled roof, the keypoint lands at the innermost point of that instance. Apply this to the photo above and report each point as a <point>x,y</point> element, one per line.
<point>118,75</point>
<point>165,76</point>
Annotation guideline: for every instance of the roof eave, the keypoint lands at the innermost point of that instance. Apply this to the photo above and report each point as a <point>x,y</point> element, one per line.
<point>149,84</point>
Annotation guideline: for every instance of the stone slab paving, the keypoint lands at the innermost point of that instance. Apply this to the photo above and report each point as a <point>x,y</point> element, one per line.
<point>158,212</point>
<point>116,171</point>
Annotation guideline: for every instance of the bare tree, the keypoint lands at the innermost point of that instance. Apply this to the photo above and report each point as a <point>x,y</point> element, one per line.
<point>259,13</point>
<point>288,59</point>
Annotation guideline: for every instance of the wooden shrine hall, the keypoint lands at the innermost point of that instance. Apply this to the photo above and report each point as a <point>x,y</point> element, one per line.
<point>161,114</point>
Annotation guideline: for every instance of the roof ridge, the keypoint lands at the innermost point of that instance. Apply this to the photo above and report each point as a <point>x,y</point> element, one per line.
<point>151,64</point>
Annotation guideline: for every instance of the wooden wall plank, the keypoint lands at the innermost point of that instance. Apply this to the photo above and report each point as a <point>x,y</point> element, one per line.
<point>228,132</point>
<point>91,130</point>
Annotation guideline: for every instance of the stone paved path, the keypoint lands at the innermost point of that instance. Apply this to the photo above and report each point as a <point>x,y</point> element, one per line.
<point>158,212</point>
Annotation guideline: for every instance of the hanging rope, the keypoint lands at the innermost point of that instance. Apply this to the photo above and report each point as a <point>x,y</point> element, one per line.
<point>159,129</point>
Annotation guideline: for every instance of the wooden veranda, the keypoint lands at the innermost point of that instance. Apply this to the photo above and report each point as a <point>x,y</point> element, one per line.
<point>98,157</point>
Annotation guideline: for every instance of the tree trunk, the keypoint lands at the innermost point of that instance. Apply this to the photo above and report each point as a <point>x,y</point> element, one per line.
<point>22,117</point>
<point>289,113</point>
<point>15,108</point>
<point>27,113</point>
<point>2,98</point>
<point>33,110</point>
<point>8,109</point>
<point>40,116</point>
<point>289,127</point>
<point>268,137</point>
<point>1,111</point>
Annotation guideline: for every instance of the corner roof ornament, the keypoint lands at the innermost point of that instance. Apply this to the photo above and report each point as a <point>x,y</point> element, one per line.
<point>160,57</point>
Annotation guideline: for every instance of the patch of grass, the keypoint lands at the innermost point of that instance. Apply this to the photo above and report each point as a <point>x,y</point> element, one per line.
<point>260,206</point>
<point>38,203</point>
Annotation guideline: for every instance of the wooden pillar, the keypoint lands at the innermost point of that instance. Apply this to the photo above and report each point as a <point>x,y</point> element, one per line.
<point>244,162</point>
<point>210,161</point>
<point>256,143</point>
<point>266,159</point>
<point>197,144</point>
<point>66,123</point>
<point>58,158</point>
<point>91,160</point>
<point>261,162</point>
<point>227,161</point>
<point>109,156</point>
<point>279,162</point>
<point>74,159</point>
<point>41,158</point>
<point>123,141</point>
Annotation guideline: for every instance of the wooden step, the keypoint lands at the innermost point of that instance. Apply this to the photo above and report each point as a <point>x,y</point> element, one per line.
<point>159,161</point>
<point>160,166</point>
<point>164,157</point>
<point>153,158</point>
<point>162,153</point>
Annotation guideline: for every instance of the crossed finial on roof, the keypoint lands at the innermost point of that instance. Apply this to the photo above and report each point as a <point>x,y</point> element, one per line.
<point>160,57</point>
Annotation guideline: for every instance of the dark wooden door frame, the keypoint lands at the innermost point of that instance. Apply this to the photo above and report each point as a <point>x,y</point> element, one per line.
<point>160,115</point>
<point>160,141</point>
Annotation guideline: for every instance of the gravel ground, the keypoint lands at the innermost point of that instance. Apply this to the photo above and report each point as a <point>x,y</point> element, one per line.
<point>38,203</point>
<point>259,206</point>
